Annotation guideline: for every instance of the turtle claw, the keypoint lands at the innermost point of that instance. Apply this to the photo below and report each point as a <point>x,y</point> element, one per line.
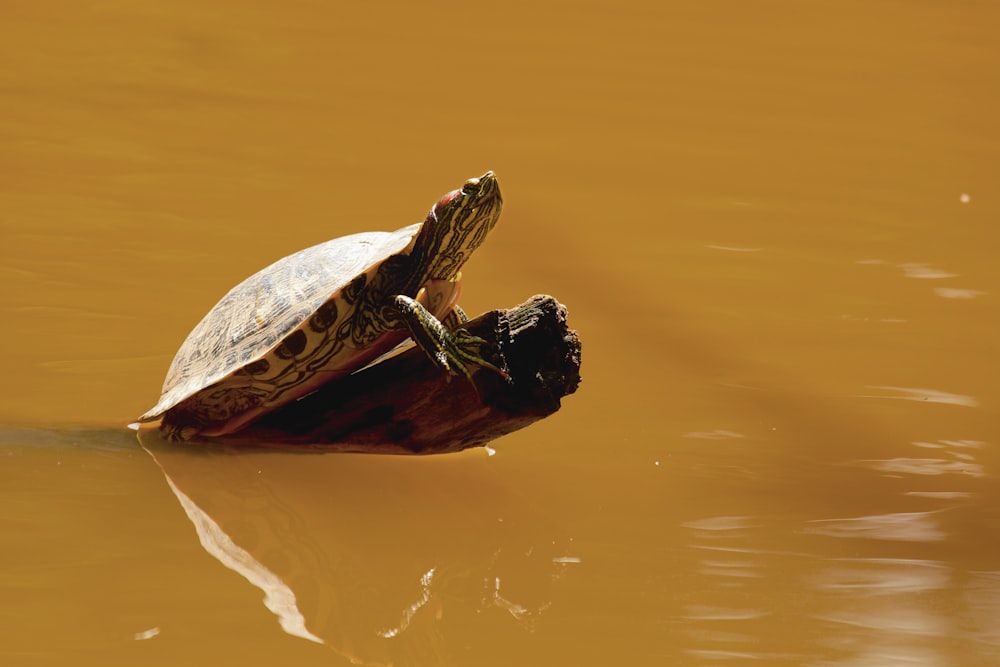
<point>467,349</point>
<point>454,352</point>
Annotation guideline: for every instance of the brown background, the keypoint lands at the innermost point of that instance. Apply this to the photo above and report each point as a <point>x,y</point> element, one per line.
<point>774,225</point>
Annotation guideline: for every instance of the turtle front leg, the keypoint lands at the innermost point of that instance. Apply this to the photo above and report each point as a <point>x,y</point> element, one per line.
<point>453,352</point>
<point>455,318</point>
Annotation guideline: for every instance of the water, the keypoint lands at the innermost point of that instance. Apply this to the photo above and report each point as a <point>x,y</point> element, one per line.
<point>774,228</point>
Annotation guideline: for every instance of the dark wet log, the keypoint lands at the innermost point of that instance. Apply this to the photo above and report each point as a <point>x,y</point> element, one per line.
<point>405,405</point>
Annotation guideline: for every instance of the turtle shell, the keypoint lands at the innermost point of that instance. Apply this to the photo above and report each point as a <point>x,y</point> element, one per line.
<point>285,328</point>
<point>319,314</point>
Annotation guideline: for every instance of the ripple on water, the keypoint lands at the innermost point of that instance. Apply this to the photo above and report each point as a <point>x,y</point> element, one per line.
<point>925,395</point>
<point>896,526</point>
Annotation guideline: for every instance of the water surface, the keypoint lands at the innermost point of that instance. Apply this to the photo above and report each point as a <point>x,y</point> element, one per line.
<point>773,226</point>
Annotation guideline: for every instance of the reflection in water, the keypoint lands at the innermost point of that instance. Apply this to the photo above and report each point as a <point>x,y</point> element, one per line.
<point>699,613</point>
<point>868,577</point>
<point>733,249</point>
<point>902,526</point>
<point>960,444</point>
<point>716,434</point>
<point>962,461</point>
<point>915,270</point>
<point>924,272</point>
<point>716,629</point>
<point>518,611</point>
<point>719,524</point>
<point>879,611</point>
<point>957,293</point>
<point>921,271</point>
<point>367,566</point>
<point>981,596</point>
<point>927,395</point>
<point>278,597</point>
<point>941,495</point>
<point>408,613</point>
<point>873,611</point>
<point>915,466</point>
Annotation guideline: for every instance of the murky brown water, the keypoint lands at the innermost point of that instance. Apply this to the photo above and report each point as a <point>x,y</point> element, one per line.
<point>774,226</point>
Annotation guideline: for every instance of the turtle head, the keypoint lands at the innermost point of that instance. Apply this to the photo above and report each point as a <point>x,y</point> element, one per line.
<point>458,224</point>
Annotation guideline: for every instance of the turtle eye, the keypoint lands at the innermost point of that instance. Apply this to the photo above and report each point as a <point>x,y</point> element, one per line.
<point>444,201</point>
<point>471,187</point>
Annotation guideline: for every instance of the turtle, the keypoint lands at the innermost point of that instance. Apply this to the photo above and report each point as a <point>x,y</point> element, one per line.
<point>326,311</point>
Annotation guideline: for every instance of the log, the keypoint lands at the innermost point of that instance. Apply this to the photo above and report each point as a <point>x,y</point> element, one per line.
<point>405,405</point>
